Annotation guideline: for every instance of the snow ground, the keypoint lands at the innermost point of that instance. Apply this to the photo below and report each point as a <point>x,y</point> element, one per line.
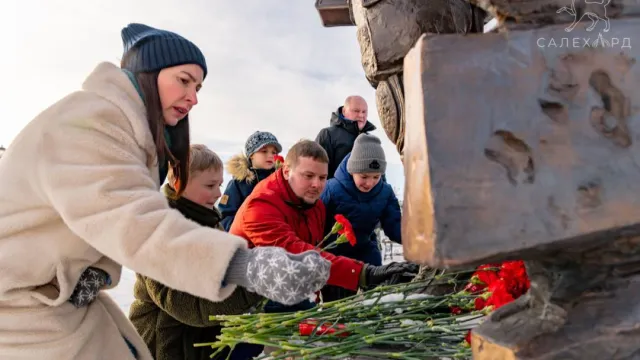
<point>123,293</point>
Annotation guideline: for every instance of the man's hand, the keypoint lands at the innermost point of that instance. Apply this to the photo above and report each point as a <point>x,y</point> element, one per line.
<point>392,273</point>
<point>278,275</point>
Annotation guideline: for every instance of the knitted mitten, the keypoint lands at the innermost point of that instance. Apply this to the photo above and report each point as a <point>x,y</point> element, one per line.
<point>278,275</point>
<point>90,283</point>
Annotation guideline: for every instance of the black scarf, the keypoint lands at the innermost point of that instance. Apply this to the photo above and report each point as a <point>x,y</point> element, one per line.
<point>191,210</point>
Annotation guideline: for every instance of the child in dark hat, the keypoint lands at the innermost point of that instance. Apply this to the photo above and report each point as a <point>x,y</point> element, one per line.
<point>247,169</point>
<point>358,193</point>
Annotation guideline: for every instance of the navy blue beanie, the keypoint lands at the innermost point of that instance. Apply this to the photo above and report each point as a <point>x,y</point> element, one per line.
<point>159,49</point>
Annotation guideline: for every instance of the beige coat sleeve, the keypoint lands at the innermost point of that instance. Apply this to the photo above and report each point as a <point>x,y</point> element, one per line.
<point>95,176</point>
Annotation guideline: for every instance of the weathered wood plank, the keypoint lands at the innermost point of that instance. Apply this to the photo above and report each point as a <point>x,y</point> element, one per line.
<point>519,148</point>
<point>334,12</point>
<point>548,11</point>
<point>387,29</point>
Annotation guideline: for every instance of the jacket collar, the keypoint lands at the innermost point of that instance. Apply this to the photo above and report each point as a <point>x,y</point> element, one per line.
<point>262,174</point>
<point>110,82</point>
<point>288,195</point>
<point>239,167</point>
<point>191,210</point>
<point>346,180</point>
<point>338,120</point>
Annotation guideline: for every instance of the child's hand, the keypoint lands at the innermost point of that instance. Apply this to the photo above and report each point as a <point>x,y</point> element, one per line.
<point>278,275</point>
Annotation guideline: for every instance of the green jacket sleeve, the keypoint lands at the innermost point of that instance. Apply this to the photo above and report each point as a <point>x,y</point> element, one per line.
<point>194,311</point>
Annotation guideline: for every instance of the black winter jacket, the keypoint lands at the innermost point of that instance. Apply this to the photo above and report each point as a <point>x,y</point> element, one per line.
<point>338,138</point>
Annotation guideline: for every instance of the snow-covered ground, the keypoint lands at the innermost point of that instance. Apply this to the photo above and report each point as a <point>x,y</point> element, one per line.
<point>123,293</point>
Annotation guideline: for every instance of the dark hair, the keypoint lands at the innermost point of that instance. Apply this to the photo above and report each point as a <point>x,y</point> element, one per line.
<point>178,154</point>
<point>306,148</point>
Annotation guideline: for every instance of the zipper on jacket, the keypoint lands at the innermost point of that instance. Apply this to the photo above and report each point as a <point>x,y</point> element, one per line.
<point>306,225</point>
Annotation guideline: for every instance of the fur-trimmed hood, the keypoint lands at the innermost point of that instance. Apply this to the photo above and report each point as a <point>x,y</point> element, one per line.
<point>245,178</point>
<point>239,167</point>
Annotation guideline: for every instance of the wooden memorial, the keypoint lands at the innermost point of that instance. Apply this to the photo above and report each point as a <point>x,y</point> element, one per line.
<point>523,143</point>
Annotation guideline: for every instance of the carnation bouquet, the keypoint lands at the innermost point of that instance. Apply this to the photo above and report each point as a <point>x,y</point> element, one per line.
<point>393,321</point>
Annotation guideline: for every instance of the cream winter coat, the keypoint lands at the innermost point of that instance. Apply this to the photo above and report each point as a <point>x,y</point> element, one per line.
<point>79,187</point>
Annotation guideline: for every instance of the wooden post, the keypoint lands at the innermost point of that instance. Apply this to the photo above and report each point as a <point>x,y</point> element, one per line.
<point>521,144</point>
<point>525,145</point>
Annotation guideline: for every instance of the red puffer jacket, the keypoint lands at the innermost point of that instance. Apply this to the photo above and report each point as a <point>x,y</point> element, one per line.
<point>273,216</point>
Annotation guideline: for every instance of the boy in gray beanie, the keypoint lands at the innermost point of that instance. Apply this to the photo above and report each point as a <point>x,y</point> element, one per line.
<point>358,193</point>
<point>367,156</point>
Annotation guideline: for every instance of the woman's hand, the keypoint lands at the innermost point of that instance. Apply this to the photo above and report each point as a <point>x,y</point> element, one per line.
<point>278,275</point>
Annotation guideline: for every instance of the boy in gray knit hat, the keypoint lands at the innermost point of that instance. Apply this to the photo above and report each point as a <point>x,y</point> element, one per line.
<point>358,193</point>
<point>367,156</point>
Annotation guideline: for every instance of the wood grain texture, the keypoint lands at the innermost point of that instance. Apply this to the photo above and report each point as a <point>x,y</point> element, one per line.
<point>334,12</point>
<point>387,29</point>
<point>547,11</point>
<point>519,150</point>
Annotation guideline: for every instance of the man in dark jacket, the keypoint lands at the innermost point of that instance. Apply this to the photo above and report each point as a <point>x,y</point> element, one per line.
<point>349,121</point>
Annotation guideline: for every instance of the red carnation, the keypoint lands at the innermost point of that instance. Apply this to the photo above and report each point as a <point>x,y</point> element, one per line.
<point>456,310</point>
<point>346,229</point>
<point>499,295</point>
<point>479,303</point>
<point>514,274</point>
<point>485,276</point>
<point>279,160</point>
<point>306,328</point>
<point>474,288</point>
<point>342,227</point>
<point>346,225</point>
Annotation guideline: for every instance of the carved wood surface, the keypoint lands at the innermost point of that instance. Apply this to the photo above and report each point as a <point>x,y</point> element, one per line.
<point>387,29</point>
<point>334,12</point>
<point>519,149</point>
<point>390,105</point>
<point>599,325</point>
<point>548,11</point>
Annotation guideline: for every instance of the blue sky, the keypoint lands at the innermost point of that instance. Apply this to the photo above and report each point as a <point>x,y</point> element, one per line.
<point>272,65</point>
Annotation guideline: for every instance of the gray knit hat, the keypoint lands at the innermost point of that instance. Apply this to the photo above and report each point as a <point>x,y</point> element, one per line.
<point>367,156</point>
<point>258,140</point>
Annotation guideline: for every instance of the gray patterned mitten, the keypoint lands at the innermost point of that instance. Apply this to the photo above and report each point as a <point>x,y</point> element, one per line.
<point>278,275</point>
<point>89,284</point>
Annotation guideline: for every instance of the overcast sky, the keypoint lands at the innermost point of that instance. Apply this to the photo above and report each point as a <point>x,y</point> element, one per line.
<point>272,65</point>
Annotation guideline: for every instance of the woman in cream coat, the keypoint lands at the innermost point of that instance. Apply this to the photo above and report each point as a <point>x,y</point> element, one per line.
<point>79,199</point>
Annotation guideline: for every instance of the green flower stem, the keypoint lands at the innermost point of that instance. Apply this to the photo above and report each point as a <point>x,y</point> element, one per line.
<point>326,238</point>
<point>435,333</point>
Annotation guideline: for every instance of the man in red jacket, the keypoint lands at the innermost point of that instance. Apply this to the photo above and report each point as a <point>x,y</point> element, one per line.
<point>283,210</point>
